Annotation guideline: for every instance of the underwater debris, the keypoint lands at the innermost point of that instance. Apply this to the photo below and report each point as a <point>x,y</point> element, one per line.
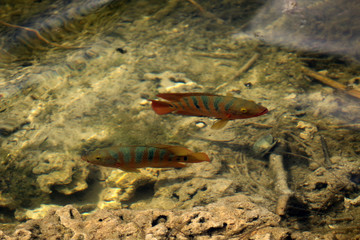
<point>330,82</point>
<point>247,65</point>
<point>38,35</point>
<point>281,185</point>
<point>264,144</point>
<point>224,108</point>
<point>206,13</point>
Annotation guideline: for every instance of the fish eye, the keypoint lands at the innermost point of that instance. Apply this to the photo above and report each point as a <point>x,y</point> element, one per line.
<point>243,110</point>
<point>98,158</point>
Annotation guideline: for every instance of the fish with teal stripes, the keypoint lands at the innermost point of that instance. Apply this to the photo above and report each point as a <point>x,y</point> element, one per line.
<point>130,158</point>
<point>224,108</point>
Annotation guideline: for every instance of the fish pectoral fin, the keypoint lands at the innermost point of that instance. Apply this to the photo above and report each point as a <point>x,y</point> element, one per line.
<point>219,124</point>
<point>176,150</point>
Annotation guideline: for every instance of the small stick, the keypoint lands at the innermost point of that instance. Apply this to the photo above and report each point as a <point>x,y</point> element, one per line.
<point>243,69</point>
<point>325,150</point>
<point>206,13</point>
<point>330,82</point>
<point>247,65</point>
<point>277,166</point>
<point>38,35</point>
<point>351,126</point>
<point>211,140</point>
<point>216,55</point>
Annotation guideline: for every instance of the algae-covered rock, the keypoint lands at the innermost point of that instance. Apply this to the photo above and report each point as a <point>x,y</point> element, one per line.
<point>233,217</point>
<point>122,186</point>
<point>62,172</point>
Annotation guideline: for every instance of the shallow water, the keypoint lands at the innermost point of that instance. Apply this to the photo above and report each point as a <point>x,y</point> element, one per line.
<point>82,80</point>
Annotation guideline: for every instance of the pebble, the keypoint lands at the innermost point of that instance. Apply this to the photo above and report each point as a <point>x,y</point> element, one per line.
<point>200,124</point>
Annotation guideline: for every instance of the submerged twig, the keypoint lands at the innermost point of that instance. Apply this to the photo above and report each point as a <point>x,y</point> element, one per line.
<point>171,5</point>
<point>351,126</point>
<point>325,150</point>
<point>247,65</point>
<point>243,69</point>
<point>277,166</point>
<point>211,140</point>
<point>206,13</point>
<point>38,35</point>
<point>216,55</point>
<point>330,82</point>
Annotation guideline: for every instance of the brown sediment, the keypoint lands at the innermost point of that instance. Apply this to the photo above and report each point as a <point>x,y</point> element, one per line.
<point>330,82</point>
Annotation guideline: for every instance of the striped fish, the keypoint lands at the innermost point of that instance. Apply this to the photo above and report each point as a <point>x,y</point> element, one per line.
<point>156,156</point>
<point>224,108</point>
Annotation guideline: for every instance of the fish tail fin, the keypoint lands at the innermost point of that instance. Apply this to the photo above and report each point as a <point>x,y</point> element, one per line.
<point>161,108</point>
<point>198,157</point>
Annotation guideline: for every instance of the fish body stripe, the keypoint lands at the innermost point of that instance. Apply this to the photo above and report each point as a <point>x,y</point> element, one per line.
<point>205,102</point>
<point>195,102</point>
<point>217,101</point>
<point>228,105</point>
<point>139,154</point>
<point>114,154</point>
<point>179,105</point>
<point>151,153</point>
<point>162,155</point>
<point>126,154</point>
<point>186,100</point>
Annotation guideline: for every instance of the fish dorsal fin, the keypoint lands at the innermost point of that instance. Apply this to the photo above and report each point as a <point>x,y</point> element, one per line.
<point>177,150</point>
<point>177,96</point>
<point>219,124</point>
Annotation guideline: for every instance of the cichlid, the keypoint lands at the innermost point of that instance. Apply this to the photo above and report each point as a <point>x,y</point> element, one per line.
<point>224,108</point>
<point>156,156</point>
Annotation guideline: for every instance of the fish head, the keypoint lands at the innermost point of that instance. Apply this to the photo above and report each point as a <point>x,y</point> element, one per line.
<point>245,109</point>
<point>99,157</point>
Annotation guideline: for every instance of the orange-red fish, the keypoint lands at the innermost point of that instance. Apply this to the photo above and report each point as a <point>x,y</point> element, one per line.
<point>156,156</point>
<point>224,108</point>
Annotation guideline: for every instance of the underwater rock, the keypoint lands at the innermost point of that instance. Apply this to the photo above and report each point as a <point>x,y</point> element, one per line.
<point>37,213</point>
<point>62,172</point>
<point>225,219</point>
<point>263,145</point>
<point>121,186</point>
<point>233,217</point>
<point>7,201</point>
<point>321,186</point>
<point>309,130</point>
